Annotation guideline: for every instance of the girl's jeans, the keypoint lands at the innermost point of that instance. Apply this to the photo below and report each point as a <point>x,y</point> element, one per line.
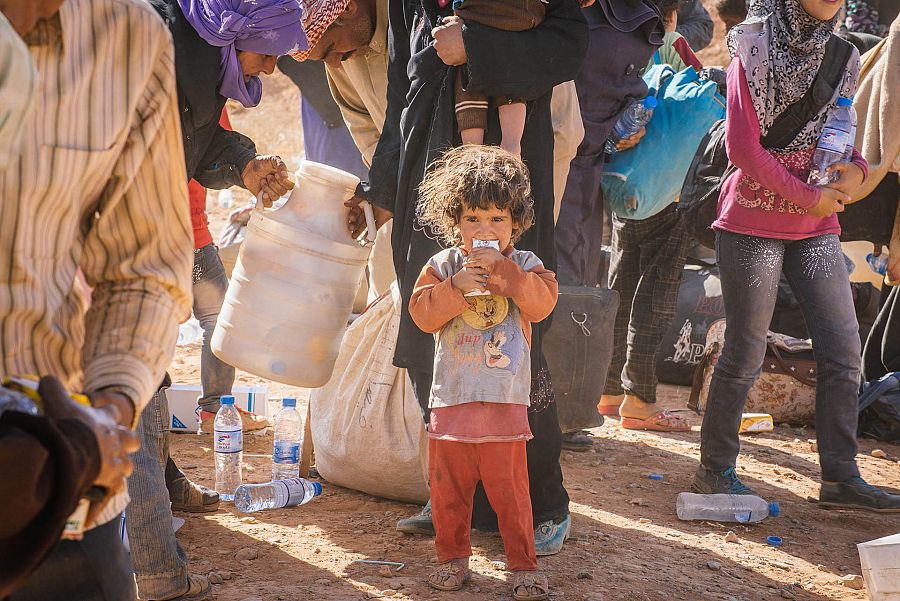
<point>750,268</point>
<point>210,284</point>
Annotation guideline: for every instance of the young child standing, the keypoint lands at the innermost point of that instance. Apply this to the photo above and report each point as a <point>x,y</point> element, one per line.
<point>479,298</point>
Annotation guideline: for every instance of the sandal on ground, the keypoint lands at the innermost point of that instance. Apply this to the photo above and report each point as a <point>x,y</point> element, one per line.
<point>450,576</point>
<point>662,421</point>
<point>530,586</point>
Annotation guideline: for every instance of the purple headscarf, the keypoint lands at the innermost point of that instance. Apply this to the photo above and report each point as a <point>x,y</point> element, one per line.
<point>271,27</point>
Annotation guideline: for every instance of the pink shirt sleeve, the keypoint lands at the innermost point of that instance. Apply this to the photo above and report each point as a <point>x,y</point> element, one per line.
<point>747,153</point>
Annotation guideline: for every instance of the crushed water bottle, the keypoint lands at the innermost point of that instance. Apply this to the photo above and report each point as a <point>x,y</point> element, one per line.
<point>288,432</point>
<point>636,116</point>
<point>272,495</point>
<point>878,262</point>
<point>228,438</point>
<point>13,400</point>
<point>724,508</point>
<point>835,145</point>
<point>226,198</point>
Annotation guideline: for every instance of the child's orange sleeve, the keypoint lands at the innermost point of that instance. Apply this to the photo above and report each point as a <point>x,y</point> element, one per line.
<point>434,301</point>
<point>534,292</point>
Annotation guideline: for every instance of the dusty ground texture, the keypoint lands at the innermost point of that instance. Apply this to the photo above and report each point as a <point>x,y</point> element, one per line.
<point>626,541</point>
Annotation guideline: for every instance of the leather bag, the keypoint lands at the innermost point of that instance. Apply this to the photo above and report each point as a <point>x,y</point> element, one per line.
<point>786,388</point>
<point>578,347</point>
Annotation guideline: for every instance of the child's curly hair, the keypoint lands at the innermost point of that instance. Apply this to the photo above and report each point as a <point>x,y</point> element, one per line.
<point>476,177</point>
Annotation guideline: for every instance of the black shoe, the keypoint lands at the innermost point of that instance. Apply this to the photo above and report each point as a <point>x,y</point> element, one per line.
<point>725,482</point>
<point>579,440</point>
<point>856,493</point>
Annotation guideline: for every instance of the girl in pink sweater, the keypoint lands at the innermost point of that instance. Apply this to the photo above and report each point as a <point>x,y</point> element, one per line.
<point>771,221</point>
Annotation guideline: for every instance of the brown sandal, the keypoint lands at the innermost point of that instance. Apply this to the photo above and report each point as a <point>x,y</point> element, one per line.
<point>450,576</point>
<point>525,582</point>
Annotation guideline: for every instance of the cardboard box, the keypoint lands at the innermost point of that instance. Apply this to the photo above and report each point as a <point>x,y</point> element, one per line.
<point>183,410</point>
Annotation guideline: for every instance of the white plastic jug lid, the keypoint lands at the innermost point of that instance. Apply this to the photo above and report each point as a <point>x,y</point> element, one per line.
<point>327,173</point>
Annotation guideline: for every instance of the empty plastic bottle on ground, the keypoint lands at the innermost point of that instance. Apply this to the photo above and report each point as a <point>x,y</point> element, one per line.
<point>636,116</point>
<point>272,495</point>
<point>288,433</point>
<point>835,145</point>
<point>724,508</point>
<point>228,438</point>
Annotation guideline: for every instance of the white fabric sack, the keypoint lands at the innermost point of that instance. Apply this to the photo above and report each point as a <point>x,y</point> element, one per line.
<point>367,427</point>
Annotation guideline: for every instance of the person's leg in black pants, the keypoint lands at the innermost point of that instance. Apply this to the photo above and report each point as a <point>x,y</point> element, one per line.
<point>95,568</point>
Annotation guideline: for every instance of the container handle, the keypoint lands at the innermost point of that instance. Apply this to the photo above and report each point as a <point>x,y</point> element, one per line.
<point>371,229</point>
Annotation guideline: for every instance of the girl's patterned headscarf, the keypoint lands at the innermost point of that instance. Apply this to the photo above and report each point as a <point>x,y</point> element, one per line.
<point>781,47</point>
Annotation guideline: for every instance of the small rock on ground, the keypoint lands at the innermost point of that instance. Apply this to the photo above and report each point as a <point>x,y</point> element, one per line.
<point>247,553</point>
<point>854,581</point>
<point>715,566</point>
<point>879,454</point>
<point>786,594</point>
<point>215,578</point>
<point>731,537</point>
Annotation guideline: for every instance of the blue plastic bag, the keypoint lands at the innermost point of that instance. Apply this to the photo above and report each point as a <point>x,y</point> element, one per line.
<point>641,181</point>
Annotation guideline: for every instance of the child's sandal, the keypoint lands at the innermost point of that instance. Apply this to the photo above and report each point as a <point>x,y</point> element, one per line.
<point>530,586</point>
<point>451,576</point>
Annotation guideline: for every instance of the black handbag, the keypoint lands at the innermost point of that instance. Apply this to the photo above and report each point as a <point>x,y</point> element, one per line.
<point>578,347</point>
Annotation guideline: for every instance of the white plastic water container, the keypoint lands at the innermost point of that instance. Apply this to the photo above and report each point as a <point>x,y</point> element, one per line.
<point>294,282</point>
<point>880,560</point>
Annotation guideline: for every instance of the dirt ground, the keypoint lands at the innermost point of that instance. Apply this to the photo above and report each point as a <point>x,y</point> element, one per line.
<point>626,542</point>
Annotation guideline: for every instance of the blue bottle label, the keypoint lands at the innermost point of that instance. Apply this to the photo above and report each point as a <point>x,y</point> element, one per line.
<point>286,452</point>
<point>229,441</point>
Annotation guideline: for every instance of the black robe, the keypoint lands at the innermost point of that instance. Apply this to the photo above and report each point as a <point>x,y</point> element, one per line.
<point>525,64</point>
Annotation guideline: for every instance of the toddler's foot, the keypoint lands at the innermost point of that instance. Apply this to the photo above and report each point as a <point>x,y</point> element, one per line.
<point>451,576</point>
<point>530,586</point>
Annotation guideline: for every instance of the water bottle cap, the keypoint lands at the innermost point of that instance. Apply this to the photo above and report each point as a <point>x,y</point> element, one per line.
<point>650,102</point>
<point>655,476</point>
<point>775,541</point>
<point>317,488</point>
<point>774,510</point>
<point>845,101</point>
<point>227,400</point>
<point>288,402</point>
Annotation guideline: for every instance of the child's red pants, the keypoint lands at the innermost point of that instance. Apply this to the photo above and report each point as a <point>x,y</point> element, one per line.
<point>455,469</point>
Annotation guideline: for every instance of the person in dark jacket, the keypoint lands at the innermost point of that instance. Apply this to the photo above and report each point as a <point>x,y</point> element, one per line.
<point>216,57</point>
<point>695,24</point>
<point>424,59</point>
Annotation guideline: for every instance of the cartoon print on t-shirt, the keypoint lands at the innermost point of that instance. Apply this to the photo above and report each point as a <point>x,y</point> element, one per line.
<point>493,350</point>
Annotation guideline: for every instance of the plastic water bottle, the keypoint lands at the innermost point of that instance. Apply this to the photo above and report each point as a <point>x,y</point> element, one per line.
<point>832,147</point>
<point>228,439</point>
<point>724,508</point>
<point>636,116</point>
<point>272,495</point>
<point>878,263</point>
<point>13,400</point>
<point>288,433</point>
<point>189,332</point>
<point>226,198</point>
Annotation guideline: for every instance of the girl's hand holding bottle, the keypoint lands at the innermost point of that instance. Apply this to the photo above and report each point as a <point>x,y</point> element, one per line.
<point>830,202</point>
<point>850,177</point>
